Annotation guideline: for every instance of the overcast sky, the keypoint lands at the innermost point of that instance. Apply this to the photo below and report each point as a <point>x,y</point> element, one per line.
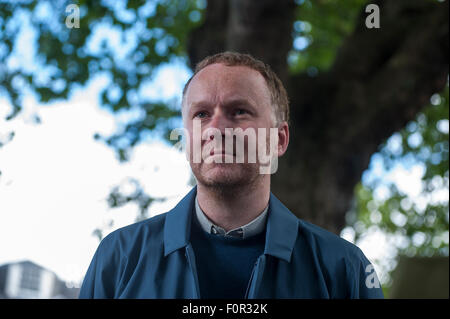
<point>56,177</point>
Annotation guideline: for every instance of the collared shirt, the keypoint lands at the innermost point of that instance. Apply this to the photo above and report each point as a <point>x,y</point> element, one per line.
<point>252,228</point>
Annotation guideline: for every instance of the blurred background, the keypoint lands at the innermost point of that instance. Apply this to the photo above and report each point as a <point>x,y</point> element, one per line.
<point>89,91</point>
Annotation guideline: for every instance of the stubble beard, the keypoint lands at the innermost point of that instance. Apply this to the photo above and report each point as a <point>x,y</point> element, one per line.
<point>227,179</point>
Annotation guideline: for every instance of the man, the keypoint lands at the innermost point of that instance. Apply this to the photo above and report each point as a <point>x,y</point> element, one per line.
<point>230,237</point>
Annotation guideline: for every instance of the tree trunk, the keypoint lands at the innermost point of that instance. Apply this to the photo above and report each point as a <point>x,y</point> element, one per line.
<point>380,79</point>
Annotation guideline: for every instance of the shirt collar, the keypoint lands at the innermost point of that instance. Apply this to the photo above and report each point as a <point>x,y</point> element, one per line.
<point>281,231</point>
<point>254,227</point>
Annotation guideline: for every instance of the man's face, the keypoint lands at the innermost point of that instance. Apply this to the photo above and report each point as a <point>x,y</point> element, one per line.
<point>222,97</point>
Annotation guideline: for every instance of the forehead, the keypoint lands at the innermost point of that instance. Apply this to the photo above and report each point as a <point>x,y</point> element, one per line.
<point>218,82</point>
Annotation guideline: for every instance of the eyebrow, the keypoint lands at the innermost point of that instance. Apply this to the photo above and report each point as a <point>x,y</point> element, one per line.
<point>228,103</point>
<point>239,101</point>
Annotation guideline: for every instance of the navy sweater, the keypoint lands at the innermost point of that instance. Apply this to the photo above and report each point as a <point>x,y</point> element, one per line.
<point>224,264</point>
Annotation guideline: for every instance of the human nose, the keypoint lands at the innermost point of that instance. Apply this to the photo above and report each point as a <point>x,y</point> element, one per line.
<point>219,121</point>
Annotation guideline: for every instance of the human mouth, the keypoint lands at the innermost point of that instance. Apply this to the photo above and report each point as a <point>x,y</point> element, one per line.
<point>222,153</point>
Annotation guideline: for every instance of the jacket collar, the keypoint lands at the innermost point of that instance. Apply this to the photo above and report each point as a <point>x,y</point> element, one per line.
<point>281,231</point>
<point>177,227</point>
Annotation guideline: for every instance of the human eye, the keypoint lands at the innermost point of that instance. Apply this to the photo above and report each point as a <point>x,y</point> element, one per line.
<point>200,114</point>
<point>240,112</point>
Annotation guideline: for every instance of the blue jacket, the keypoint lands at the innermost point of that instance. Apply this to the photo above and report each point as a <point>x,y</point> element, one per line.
<point>154,259</point>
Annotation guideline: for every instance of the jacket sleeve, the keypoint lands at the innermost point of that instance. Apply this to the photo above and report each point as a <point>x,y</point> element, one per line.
<point>366,284</point>
<point>101,276</point>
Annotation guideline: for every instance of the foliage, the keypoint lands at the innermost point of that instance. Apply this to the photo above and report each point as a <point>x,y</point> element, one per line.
<point>318,32</point>
<point>418,225</point>
<point>125,40</point>
<point>129,191</point>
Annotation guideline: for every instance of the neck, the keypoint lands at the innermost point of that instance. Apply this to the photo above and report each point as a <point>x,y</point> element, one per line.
<point>234,208</point>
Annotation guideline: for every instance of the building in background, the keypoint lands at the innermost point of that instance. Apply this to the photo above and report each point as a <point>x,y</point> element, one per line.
<point>27,280</point>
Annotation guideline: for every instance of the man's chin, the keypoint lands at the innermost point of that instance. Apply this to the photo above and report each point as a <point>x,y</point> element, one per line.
<point>223,175</point>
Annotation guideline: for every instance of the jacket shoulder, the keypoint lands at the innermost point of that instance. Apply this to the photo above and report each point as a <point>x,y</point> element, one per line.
<point>117,251</point>
<point>328,244</point>
<point>144,231</point>
<point>346,270</point>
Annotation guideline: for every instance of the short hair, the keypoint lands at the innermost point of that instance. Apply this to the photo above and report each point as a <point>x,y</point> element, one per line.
<point>279,97</point>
